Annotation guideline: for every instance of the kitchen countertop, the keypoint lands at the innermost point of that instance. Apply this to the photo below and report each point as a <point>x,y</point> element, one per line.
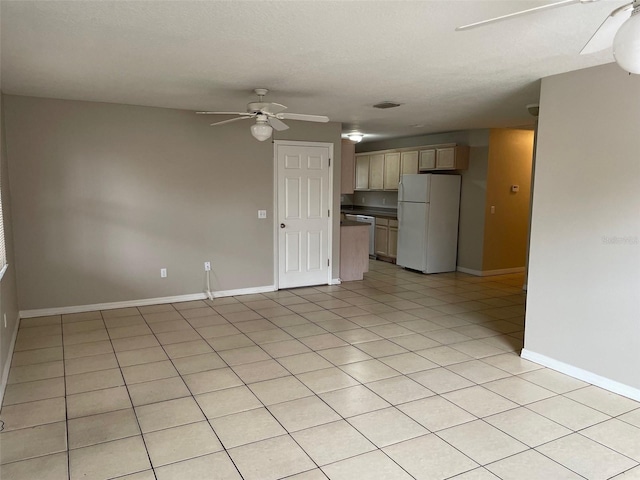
<point>372,211</point>
<point>351,223</point>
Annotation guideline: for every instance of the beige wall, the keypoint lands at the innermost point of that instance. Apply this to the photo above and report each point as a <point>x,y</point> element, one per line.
<point>105,195</point>
<point>8,295</point>
<point>473,190</point>
<point>583,307</point>
<point>506,231</point>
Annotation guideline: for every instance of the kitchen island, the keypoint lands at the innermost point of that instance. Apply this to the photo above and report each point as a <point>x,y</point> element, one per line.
<point>354,250</point>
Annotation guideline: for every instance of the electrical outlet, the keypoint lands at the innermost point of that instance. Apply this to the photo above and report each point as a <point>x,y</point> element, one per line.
<point>163,273</point>
<point>207,266</point>
<point>262,214</point>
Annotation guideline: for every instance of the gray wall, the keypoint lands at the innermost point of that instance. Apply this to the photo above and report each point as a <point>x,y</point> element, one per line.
<point>583,306</point>
<point>473,191</point>
<point>472,209</point>
<point>105,195</point>
<point>8,295</point>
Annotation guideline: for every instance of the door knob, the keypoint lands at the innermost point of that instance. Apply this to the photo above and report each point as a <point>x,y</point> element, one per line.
<point>282,225</point>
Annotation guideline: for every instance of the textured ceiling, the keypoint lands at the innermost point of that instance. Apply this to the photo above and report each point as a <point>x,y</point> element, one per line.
<point>318,57</point>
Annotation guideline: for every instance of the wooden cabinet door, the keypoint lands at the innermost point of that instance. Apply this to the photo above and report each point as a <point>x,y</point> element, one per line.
<point>393,238</point>
<point>446,158</point>
<point>376,171</point>
<point>347,168</point>
<point>391,171</point>
<point>427,159</point>
<point>362,172</point>
<point>382,240</point>
<point>409,163</point>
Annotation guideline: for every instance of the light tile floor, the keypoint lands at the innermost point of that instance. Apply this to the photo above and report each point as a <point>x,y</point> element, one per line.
<point>399,376</point>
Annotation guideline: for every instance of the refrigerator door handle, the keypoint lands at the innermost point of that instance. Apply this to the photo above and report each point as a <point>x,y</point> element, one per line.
<point>400,191</point>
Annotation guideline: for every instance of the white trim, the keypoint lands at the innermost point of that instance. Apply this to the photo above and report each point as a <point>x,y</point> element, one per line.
<point>143,302</point>
<point>488,273</point>
<point>7,366</point>
<point>332,210</point>
<point>243,291</point>
<point>580,374</point>
<point>4,269</point>
<point>335,281</point>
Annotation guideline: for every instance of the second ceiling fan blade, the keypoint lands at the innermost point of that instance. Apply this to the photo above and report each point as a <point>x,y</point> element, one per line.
<point>603,38</point>
<point>274,108</point>
<point>517,14</point>
<point>303,117</point>
<point>231,120</point>
<point>278,124</point>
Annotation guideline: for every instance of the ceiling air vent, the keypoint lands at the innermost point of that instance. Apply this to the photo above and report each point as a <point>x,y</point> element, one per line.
<point>386,104</point>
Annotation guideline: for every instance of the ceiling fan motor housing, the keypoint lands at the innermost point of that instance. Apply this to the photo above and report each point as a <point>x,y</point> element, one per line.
<point>255,107</point>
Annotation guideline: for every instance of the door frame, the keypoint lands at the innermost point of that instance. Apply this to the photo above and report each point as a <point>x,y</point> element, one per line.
<point>276,245</point>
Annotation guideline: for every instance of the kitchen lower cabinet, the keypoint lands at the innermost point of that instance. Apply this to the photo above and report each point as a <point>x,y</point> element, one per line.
<point>386,238</point>
<point>393,238</point>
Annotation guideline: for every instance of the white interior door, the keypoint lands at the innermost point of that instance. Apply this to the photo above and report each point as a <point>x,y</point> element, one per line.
<point>303,197</point>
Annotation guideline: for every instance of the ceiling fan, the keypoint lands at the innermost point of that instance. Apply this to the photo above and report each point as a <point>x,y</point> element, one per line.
<point>620,29</point>
<point>268,116</point>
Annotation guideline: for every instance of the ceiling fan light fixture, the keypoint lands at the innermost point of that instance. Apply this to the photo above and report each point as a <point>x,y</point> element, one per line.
<point>626,44</point>
<point>355,137</point>
<point>261,130</point>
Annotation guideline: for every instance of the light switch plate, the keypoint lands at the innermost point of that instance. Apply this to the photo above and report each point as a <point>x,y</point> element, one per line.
<point>262,214</point>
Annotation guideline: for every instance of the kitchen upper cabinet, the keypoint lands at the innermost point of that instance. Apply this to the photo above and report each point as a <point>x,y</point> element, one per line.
<point>347,170</point>
<point>428,159</point>
<point>382,170</point>
<point>376,171</point>
<point>409,162</point>
<point>362,172</point>
<point>391,171</point>
<point>445,158</point>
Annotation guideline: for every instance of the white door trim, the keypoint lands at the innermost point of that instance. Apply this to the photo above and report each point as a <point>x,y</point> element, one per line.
<point>276,259</point>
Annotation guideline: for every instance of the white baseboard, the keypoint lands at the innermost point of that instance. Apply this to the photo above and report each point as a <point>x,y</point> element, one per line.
<point>142,302</point>
<point>7,366</point>
<point>243,291</point>
<point>584,375</point>
<point>488,273</point>
<point>335,281</point>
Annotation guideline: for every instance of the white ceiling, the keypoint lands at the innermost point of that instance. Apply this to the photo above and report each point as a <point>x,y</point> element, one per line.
<point>329,58</point>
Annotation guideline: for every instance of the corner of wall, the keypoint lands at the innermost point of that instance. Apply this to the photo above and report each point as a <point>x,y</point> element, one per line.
<point>9,320</point>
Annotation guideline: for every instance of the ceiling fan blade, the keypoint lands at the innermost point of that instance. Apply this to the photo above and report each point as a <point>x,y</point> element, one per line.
<point>603,37</point>
<point>224,113</point>
<point>230,120</point>
<point>517,14</point>
<point>278,124</point>
<point>303,117</point>
<point>274,108</point>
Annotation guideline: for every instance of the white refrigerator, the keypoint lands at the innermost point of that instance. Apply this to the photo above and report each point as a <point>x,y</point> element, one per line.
<point>428,212</point>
